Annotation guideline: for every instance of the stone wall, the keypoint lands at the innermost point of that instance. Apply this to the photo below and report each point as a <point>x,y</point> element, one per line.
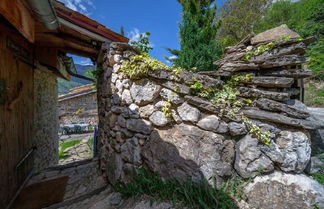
<point>157,122</point>
<point>45,119</point>
<point>79,108</point>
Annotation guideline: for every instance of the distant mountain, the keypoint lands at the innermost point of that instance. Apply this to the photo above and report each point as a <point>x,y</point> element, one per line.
<point>64,86</point>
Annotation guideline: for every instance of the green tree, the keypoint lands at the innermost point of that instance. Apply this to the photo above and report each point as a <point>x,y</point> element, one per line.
<point>306,17</point>
<point>236,18</point>
<point>143,43</point>
<point>198,45</point>
<point>122,31</point>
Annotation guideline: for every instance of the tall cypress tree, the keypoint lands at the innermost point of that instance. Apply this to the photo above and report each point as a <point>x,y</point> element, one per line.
<point>199,47</point>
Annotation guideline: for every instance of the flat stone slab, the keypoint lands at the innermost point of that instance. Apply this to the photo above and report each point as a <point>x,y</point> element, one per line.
<point>274,34</point>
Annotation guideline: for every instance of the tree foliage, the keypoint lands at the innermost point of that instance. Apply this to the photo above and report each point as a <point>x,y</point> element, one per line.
<point>306,17</point>
<point>237,17</point>
<point>199,47</point>
<point>143,43</point>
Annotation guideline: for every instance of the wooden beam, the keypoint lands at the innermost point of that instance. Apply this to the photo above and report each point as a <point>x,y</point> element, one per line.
<point>19,15</point>
<point>54,41</point>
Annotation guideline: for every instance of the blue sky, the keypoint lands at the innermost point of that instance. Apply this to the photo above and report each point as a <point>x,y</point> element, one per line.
<point>159,17</point>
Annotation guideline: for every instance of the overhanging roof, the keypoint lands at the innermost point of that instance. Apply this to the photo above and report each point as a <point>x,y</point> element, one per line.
<point>78,19</point>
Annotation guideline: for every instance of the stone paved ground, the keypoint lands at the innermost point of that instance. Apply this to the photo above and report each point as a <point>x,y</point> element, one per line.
<point>108,199</point>
<point>78,152</point>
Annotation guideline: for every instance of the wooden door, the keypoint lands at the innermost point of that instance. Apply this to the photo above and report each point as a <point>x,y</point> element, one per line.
<point>16,111</point>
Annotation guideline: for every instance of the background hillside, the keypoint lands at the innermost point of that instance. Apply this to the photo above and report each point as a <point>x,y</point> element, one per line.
<point>64,86</point>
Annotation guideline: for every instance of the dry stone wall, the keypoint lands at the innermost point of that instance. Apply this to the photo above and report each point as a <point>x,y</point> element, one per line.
<point>81,108</point>
<point>156,122</point>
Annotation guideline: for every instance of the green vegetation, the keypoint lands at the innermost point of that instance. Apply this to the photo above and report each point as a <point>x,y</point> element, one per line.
<point>237,17</point>
<point>254,130</point>
<point>189,194</point>
<point>259,50</point>
<point>235,187</point>
<point>226,100</point>
<point>316,59</point>
<point>64,86</point>
<point>66,144</point>
<point>143,44</point>
<point>199,47</point>
<point>90,145</point>
<point>314,93</point>
<point>140,65</point>
<point>166,109</point>
<point>304,16</point>
<point>319,177</point>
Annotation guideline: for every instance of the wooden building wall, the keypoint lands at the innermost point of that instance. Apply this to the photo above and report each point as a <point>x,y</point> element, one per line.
<point>16,111</point>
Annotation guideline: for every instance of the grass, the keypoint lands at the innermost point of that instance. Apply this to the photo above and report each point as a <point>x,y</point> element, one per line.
<point>319,177</point>
<point>189,194</point>
<point>314,93</point>
<point>65,145</point>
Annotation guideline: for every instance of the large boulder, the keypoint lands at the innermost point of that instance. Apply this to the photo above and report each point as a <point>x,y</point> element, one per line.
<point>249,158</point>
<point>186,150</point>
<point>290,151</point>
<point>284,191</point>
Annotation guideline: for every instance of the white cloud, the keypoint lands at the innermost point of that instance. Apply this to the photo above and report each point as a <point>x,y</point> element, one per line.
<point>134,35</point>
<point>82,6</point>
<point>172,57</point>
<point>85,61</point>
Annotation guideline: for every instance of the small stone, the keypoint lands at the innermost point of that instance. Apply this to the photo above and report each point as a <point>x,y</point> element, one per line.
<point>118,58</point>
<point>119,85</point>
<point>121,121</point>
<point>116,99</point>
<point>126,97</point>
<point>209,123</point>
<point>119,137</point>
<point>131,152</point>
<point>160,104</point>
<point>114,77</point>
<point>175,116</point>
<point>188,112</point>
<point>133,108</point>
<point>112,119</point>
<point>126,83</point>
<point>146,111</point>
<point>138,125</point>
<point>158,118</point>
<point>116,68</point>
<point>117,109</point>
<point>171,96</point>
<point>145,91</point>
<point>222,128</point>
<point>237,129</point>
<point>141,142</point>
